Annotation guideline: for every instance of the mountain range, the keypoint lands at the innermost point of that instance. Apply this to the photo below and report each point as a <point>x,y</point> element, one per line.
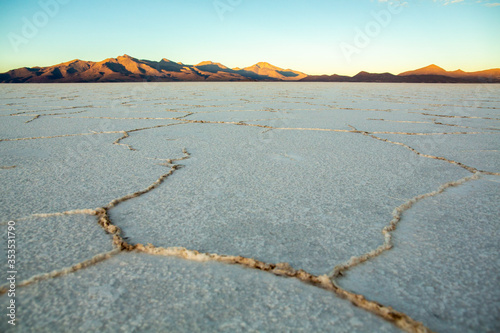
<point>128,69</point>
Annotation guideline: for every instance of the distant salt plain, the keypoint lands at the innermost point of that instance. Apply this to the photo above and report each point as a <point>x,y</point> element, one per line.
<point>307,174</point>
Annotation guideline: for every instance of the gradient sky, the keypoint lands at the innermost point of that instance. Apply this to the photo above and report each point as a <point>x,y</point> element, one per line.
<point>303,35</point>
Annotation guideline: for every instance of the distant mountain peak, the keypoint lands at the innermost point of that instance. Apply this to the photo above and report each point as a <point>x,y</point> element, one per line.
<point>206,63</point>
<point>427,70</point>
<point>433,66</point>
<point>264,64</point>
<point>71,62</point>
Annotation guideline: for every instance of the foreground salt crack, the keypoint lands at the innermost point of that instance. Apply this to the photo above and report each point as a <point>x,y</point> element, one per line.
<point>282,269</point>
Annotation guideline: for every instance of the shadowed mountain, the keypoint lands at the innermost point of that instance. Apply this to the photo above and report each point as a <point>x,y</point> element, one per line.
<point>388,77</point>
<point>327,78</point>
<point>489,75</point>
<point>213,67</point>
<point>434,74</point>
<point>128,69</point>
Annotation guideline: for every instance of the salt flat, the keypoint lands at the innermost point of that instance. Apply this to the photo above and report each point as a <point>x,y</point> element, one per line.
<point>307,174</point>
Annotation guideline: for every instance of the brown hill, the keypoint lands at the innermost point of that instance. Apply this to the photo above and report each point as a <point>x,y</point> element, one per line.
<point>266,69</point>
<point>128,69</point>
<point>428,70</point>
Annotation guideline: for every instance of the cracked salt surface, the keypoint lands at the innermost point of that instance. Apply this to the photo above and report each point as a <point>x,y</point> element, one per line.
<point>139,292</point>
<point>47,244</point>
<point>306,174</point>
<point>481,151</point>
<point>15,128</point>
<point>67,173</point>
<point>301,199</point>
<point>444,270</point>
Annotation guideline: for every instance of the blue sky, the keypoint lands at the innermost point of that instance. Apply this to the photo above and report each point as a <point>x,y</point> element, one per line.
<point>315,36</point>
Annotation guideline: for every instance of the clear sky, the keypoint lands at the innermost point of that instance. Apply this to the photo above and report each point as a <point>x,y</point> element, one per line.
<point>314,36</point>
